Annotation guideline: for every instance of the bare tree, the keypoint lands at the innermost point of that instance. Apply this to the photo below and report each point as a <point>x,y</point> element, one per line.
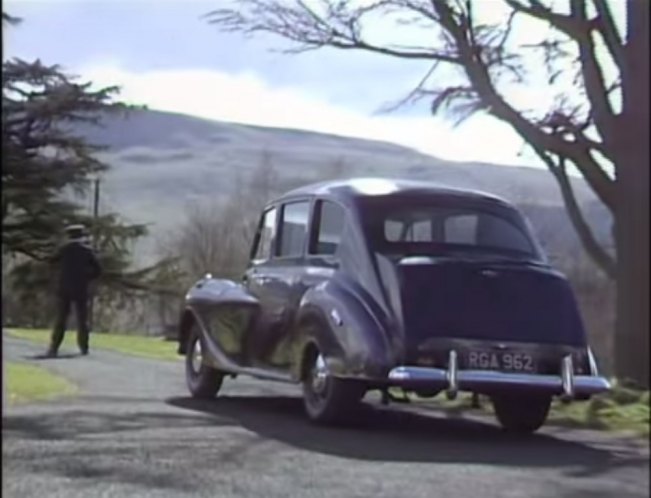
<point>216,237</point>
<point>598,121</point>
<point>262,183</point>
<point>336,169</point>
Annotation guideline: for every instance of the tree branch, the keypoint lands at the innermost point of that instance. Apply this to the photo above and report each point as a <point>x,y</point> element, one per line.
<point>10,20</point>
<point>567,24</point>
<point>414,95</point>
<point>593,78</point>
<point>301,24</point>
<point>481,81</point>
<point>400,52</point>
<point>579,28</point>
<point>608,30</point>
<point>592,246</point>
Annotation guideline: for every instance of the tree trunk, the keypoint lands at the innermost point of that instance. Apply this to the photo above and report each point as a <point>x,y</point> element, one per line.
<point>632,328</point>
<point>632,211</point>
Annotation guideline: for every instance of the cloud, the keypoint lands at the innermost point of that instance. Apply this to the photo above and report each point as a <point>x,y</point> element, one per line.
<point>246,98</point>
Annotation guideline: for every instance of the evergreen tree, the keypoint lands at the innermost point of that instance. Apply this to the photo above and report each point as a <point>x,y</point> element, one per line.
<point>47,165</point>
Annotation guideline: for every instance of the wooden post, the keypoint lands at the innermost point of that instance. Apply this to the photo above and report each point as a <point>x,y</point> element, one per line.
<point>91,321</point>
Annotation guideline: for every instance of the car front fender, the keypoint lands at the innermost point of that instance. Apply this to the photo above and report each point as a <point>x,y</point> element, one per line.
<point>205,300</point>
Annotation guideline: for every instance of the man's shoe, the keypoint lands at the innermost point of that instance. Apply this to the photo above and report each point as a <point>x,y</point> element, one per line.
<point>84,351</point>
<point>50,353</point>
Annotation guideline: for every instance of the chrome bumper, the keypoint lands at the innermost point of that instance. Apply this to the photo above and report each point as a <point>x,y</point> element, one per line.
<point>567,385</point>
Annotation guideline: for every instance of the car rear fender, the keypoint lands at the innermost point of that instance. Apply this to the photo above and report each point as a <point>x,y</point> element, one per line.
<point>348,332</point>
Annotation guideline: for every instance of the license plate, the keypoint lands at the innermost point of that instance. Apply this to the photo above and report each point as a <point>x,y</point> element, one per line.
<point>506,361</point>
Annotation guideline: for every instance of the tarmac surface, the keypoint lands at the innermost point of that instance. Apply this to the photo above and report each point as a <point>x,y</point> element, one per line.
<point>133,430</point>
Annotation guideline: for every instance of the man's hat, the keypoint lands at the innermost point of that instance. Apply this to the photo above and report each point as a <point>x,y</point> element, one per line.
<point>75,231</point>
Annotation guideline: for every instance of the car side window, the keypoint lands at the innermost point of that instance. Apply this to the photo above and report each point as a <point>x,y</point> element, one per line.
<point>329,218</point>
<point>293,228</point>
<point>266,235</point>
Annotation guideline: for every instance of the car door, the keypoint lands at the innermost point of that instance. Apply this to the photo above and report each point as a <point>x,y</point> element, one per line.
<point>277,283</point>
<point>255,279</point>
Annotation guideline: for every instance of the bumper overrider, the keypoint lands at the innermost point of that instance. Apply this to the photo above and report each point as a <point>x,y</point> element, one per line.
<point>567,385</point>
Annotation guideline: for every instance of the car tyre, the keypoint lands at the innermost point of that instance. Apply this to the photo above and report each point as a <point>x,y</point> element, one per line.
<point>521,415</point>
<point>327,399</point>
<point>203,381</point>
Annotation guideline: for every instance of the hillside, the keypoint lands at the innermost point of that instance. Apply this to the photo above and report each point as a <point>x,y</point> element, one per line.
<point>162,161</point>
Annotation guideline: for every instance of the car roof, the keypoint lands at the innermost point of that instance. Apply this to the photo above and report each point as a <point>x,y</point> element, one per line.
<point>349,190</point>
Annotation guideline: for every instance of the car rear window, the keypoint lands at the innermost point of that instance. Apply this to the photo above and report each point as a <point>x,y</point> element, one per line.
<point>418,227</point>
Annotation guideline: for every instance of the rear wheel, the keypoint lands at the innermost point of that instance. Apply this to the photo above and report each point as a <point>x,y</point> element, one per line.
<point>327,399</point>
<point>521,415</point>
<point>203,381</point>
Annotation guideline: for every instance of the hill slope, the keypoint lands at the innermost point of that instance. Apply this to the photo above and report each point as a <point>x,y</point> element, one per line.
<point>163,161</point>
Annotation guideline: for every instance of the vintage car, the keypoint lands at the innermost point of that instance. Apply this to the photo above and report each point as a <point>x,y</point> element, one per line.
<point>367,284</point>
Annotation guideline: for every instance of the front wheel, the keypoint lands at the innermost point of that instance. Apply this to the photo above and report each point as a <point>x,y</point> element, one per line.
<point>327,399</point>
<point>521,414</point>
<point>203,381</point>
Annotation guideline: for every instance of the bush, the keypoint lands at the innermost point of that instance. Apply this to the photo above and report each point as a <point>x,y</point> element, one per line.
<point>596,296</point>
<point>625,396</point>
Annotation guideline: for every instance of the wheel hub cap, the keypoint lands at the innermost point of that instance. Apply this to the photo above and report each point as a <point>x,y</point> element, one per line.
<point>319,375</point>
<point>197,356</point>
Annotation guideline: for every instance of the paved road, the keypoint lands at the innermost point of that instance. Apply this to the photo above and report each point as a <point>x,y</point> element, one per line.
<point>133,431</point>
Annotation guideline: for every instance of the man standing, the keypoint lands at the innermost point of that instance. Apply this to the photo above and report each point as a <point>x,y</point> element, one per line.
<point>78,266</point>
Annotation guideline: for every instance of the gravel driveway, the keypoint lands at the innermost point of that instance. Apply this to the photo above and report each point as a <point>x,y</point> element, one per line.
<point>133,431</point>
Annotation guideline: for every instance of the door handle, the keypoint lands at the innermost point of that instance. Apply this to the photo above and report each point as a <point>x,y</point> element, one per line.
<point>255,278</point>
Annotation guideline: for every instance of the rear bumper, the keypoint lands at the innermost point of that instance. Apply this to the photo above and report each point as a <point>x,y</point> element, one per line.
<point>567,385</point>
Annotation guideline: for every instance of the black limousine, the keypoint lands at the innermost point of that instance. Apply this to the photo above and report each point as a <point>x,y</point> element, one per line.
<point>367,284</point>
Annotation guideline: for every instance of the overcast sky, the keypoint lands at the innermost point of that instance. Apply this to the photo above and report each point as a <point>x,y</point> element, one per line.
<point>163,55</point>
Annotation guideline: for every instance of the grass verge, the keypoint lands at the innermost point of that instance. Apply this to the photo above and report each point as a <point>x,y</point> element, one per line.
<point>611,411</point>
<point>622,410</point>
<point>26,383</point>
<point>145,347</point>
